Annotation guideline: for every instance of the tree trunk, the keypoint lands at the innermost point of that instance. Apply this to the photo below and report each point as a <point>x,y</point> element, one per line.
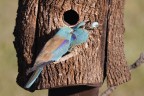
<point>37,21</point>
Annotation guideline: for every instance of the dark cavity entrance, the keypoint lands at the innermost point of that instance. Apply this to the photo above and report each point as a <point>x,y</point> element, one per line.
<point>71,17</point>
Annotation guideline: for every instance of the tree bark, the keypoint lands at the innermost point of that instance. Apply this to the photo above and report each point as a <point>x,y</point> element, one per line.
<point>38,21</point>
<point>87,66</point>
<point>117,69</point>
<point>24,33</point>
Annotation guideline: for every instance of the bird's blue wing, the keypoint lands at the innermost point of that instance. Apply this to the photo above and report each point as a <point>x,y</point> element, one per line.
<point>56,55</point>
<point>53,50</point>
<point>79,36</point>
<point>61,50</point>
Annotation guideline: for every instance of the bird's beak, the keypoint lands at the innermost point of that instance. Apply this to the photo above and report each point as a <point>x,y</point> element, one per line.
<point>86,23</point>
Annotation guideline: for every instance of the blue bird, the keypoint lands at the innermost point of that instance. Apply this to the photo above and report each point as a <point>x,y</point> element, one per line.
<point>52,51</point>
<point>79,36</point>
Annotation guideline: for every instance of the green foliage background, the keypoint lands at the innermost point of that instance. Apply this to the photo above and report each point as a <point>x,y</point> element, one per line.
<point>134,45</point>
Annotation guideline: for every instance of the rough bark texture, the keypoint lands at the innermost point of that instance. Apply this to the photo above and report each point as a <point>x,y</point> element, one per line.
<point>117,69</point>
<point>85,68</point>
<point>37,21</point>
<point>24,36</point>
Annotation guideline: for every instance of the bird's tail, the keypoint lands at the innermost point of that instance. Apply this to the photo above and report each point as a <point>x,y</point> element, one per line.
<point>33,77</point>
<point>38,65</point>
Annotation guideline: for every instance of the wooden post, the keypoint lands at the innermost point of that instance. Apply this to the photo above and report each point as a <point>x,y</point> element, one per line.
<point>74,91</point>
<point>38,20</point>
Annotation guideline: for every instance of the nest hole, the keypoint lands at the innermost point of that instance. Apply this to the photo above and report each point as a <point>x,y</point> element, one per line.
<point>71,17</point>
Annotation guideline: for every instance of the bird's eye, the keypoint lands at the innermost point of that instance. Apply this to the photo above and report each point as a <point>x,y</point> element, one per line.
<point>81,26</point>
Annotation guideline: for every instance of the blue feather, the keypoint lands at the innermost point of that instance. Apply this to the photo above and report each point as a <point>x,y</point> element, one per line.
<point>53,50</point>
<point>79,25</point>
<point>33,77</point>
<point>79,35</point>
<point>61,50</point>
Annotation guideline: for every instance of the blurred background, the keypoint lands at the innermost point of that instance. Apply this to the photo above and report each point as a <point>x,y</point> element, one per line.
<point>134,45</point>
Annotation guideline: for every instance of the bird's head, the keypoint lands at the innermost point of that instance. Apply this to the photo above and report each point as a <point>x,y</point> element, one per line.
<point>79,25</point>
